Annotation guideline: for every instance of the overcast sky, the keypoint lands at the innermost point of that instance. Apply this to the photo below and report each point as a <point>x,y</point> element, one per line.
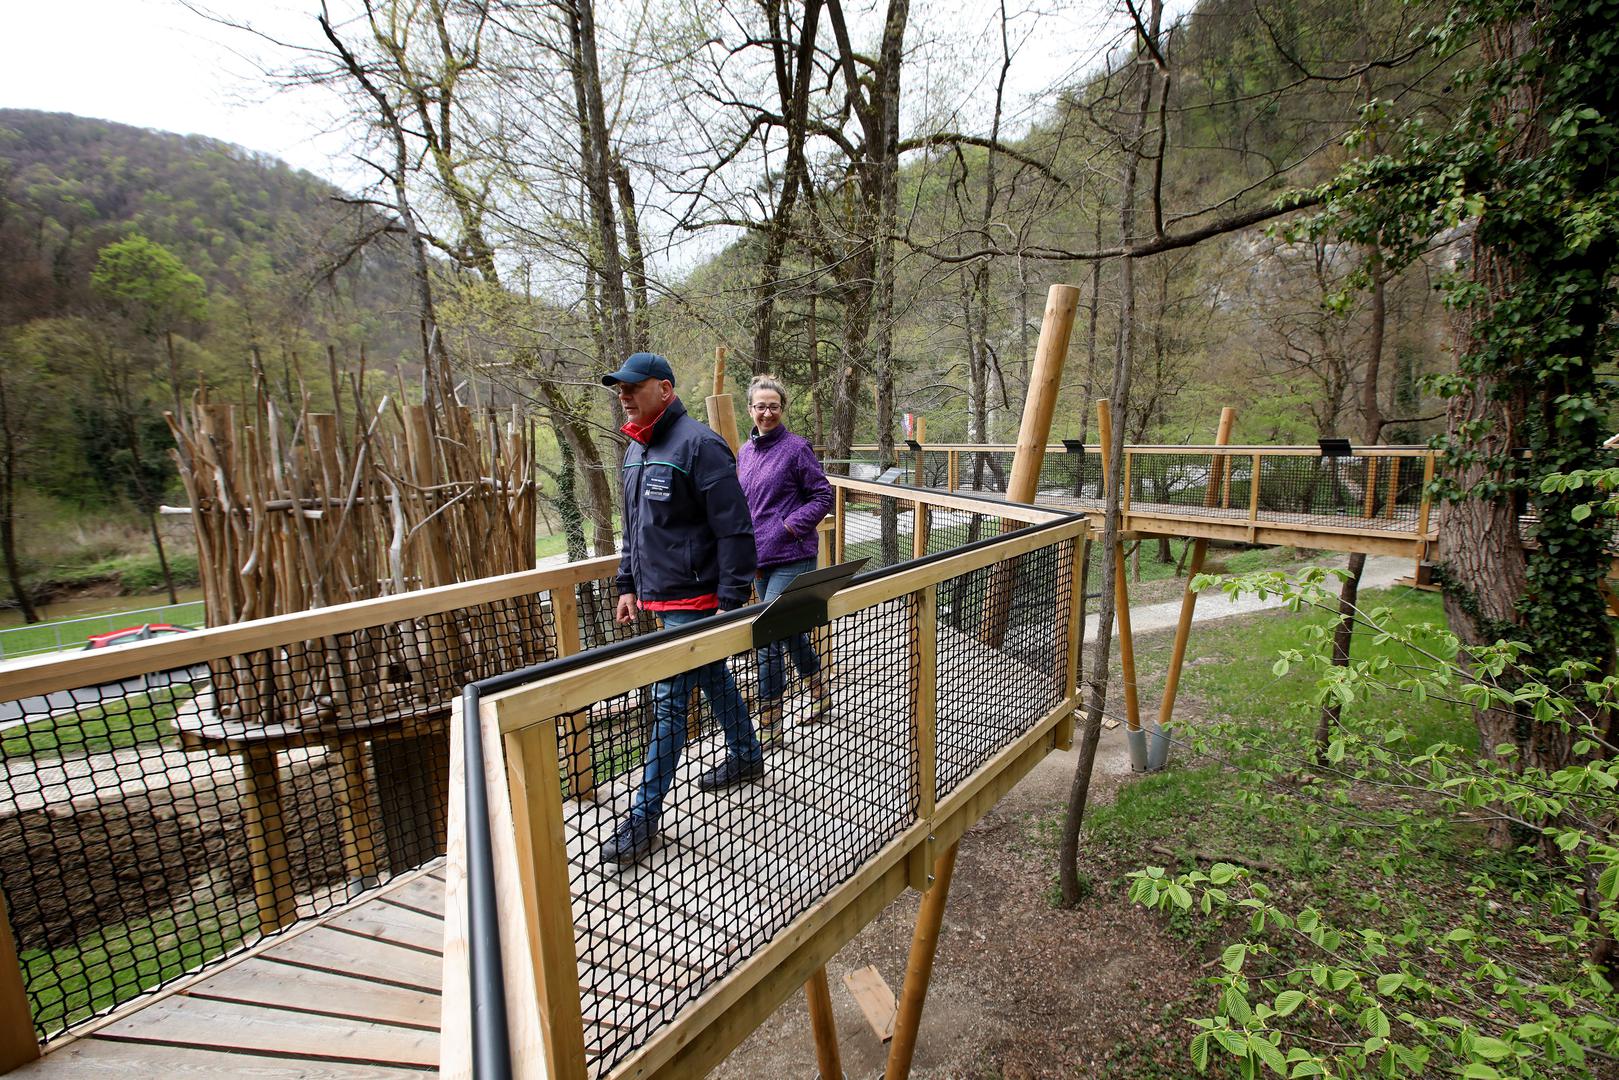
<point>155,64</point>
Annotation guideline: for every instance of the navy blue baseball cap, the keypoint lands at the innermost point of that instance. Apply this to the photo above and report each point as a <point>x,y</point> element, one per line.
<point>640,367</point>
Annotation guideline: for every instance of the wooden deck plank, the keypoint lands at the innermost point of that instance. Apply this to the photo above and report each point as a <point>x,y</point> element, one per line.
<point>299,989</point>
<point>397,925</point>
<point>224,1025</point>
<point>424,894</point>
<point>94,1058</point>
<point>324,949</point>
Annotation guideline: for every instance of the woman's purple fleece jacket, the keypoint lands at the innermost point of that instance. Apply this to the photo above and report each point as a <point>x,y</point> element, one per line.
<point>787,492</point>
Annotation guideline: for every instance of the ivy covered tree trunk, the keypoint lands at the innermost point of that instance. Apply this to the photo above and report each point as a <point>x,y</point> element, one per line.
<point>1531,337</point>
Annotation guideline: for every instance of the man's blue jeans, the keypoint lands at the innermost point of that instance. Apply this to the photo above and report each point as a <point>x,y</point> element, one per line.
<point>669,698</point>
<point>773,657</point>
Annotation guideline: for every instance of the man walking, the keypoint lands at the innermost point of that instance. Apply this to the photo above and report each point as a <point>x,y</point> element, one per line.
<point>688,553</point>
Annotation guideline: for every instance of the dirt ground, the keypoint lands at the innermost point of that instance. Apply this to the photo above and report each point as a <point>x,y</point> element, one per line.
<point>1020,989</point>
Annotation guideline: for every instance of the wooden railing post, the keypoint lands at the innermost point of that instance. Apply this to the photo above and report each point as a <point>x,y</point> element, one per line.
<point>925,709</point>
<point>1070,632</point>
<point>534,778</point>
<point>1427,498</point>
<point>17,1043</point>
<point>1124,491</point>
<point>1253,498</point>
<point>952,477</point>
<point>1371,485</point>
<point>577,751</point>
<point>920,519</point>
<point>1394,487</point>
<point>839,524</point>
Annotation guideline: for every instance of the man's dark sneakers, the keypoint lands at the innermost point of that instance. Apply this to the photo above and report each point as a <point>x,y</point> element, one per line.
<point>731,771</point>
<point>632,841</point>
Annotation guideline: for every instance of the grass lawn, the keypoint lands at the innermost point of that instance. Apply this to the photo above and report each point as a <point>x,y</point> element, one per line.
<point>93,729</point>
<point>70,632</point>
<point>120,962</point>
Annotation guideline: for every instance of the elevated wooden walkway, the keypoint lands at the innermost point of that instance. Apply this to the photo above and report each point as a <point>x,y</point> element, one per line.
<point>677,958</point>
<point>352,995</point>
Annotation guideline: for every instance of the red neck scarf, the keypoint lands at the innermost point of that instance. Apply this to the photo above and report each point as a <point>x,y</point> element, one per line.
<point>642,433</point>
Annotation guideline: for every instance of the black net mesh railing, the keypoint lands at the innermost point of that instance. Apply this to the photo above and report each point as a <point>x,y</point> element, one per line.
<point>157,823</point>
<point>1064,474</point>
<point>703,813</point>
<point>731,867</point>
<point>1002,659</point>
<point>882,528</point>
<point>1374,491</point>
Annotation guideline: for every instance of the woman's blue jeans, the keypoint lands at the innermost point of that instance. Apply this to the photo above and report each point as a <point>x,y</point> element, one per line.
<point>773,657</point>
<point>669,698</point>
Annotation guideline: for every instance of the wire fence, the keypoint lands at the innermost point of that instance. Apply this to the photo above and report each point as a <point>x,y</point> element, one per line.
<point>62,634</point>
<point>153,822</point>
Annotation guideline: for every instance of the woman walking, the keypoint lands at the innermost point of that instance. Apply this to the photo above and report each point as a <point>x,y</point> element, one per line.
<point>788,495</point>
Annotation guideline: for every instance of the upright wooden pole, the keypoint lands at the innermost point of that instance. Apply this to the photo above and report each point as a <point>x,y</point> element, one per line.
<point>1183,628</point>
<point>17,1043</point>
<point>921,436</point>
<point>721,410</point>
<point>827,1059</point>
<point>1045,378</point>
<point>919,968</point>
<point>1121,587</point>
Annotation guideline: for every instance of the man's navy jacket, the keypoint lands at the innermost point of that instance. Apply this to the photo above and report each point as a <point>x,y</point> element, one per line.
<point>687,530</point>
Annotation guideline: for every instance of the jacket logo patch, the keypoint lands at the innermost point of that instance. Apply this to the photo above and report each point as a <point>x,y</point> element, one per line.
<point>658,485</point>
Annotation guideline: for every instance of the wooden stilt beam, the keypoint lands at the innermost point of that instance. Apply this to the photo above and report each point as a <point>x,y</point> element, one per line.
<point>1183,628</point>
<point>919,968</point>
<point>721,411</point>
<point>1121,587</point>
<point>825,1027</point>
<point>1045,379</point>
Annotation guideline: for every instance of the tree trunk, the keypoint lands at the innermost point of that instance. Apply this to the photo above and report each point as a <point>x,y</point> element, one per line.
<point>162,558</point>
<point>596,157</point>
<point>1097,684</point>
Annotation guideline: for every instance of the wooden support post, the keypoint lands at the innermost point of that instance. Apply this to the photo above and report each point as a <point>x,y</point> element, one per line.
<point>1394,487</point>
<point>534,777</point>
<point>267,840</point>
<point>1070,630</point>
<point>17,1043</point>
<point>1427,499</point>
<point>1200,547</point>
<point>920,518</point>
<point>1045,379</point>
<point>919,968</point>
<point>824,1025</point>
<point>721,410</point>
<point>1253,498</point>
<point>1127,642</point>
<point>1023,485</point>
<point>952,477</point>
<point>1124,489</point>
<point>578,753</point>
<point>1121,587</point>
<point>925,665</point>
<point>839,524</point>
<point>921,437</point>
<point>362,840</point>
<point>1371,485</point>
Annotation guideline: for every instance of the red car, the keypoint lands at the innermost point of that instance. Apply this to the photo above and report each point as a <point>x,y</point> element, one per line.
<point>133,633</point>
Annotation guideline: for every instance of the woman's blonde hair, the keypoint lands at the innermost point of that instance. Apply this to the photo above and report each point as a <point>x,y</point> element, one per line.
<point>768,382</point>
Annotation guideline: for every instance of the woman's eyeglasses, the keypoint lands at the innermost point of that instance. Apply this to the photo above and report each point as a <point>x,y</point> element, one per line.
<point>765,408</point>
